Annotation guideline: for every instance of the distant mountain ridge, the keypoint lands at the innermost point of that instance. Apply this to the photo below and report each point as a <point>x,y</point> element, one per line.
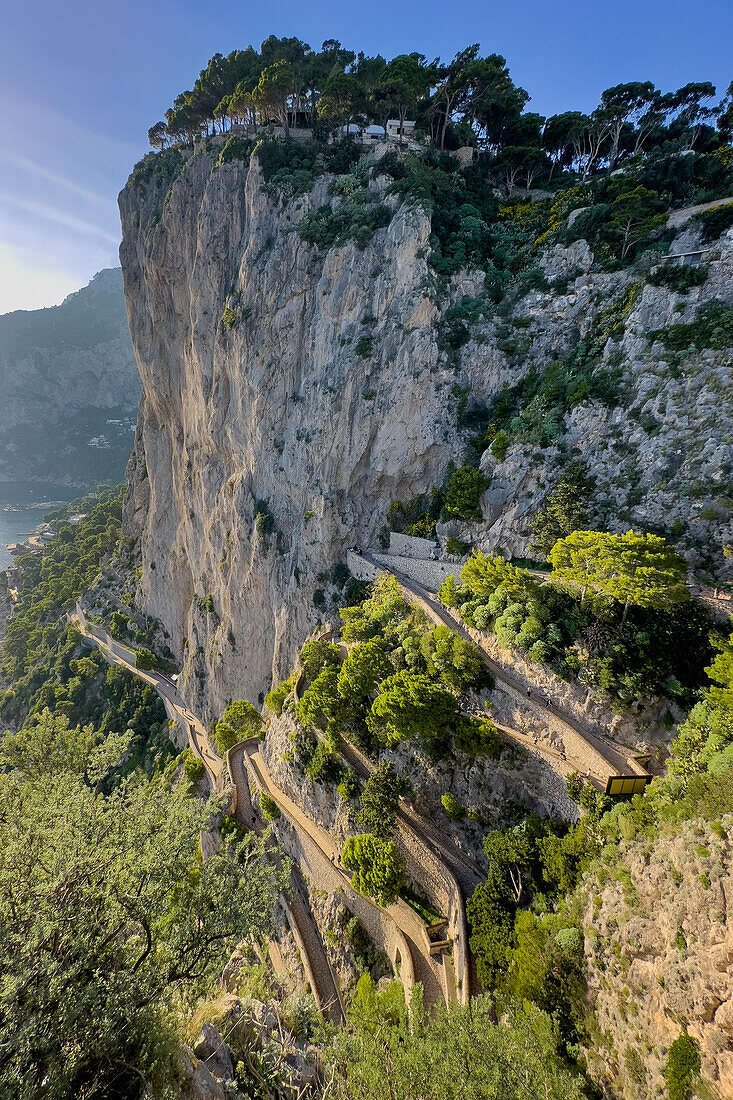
<point>70,388</point>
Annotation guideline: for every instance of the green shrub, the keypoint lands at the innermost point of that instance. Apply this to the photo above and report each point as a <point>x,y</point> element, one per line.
<point>349,785</point>
<point>228,317</point>
<point>463,493</point>
<point>477,737</point>
<point>145,659</point>
<point>713,223</point>
<point>264,520</point>
<point>327,228</point>
<point>235,148</point>
<point>193,769</point>
<point>324,766</point>
<point>275,699</point>
<point>452,808</point>
<point>457,548</point>
<point>240,721</point>
<point>364,347</point>
<point>574,784</point>
<point>158,169</point>
<point>500,445</point>
<point>379,800</point>
<point>292,167</point>
<point>712,328</point>
<point>268,807</point>
<point>679,277</point>
<point>683,1065</point>
<point>317,655</point>
<point>418,516</point>
<point>379,869</point>
<point>456,660</point>
<point>565,508</point>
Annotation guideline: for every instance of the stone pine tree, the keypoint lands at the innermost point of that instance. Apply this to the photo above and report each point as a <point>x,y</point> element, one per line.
<point>647,572</point>
<point>639,569</point>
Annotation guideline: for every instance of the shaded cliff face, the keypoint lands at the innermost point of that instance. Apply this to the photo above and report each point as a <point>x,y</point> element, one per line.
<point>68,376</point>
<point>322,402</point>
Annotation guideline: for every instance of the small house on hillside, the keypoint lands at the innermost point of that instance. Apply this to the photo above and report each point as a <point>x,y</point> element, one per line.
<point>393,129</point>
<point>372,135</point>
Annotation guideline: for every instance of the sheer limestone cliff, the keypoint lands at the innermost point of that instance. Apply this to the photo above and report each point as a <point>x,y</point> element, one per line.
<point>280,408</point>
<point>290,393</point>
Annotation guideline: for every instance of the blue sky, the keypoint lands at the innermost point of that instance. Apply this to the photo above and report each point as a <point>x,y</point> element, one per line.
<point>82,80</point>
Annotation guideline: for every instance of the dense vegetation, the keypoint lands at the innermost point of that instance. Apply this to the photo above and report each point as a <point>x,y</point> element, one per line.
<point>469,100</point>
<point>621,167</point>
<point>616,613</point>
<point>526,919</point>
<point>401,680</point>
<point>43,661</point>
<point>108,914</point>
<point>446,1053</point>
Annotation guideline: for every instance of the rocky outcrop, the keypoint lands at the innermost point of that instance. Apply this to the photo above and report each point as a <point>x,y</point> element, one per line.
<point>321,404</point>
<point>659,950</point>
<point>659,448</point>
<point>291,393</point>
<point>70,388</point>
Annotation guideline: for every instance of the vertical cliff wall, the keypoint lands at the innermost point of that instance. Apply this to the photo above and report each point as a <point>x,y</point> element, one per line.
<point>290,393</point>
<point>316,407</point>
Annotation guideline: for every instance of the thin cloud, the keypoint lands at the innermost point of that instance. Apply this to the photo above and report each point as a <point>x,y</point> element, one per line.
<point>52,214</point>
<point>17,160</point>
<point>37,123</point>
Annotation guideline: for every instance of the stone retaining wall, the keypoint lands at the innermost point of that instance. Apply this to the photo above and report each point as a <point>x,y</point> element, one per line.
<point>430,574</point>
<point>360,568</point>
<point>411,547</point>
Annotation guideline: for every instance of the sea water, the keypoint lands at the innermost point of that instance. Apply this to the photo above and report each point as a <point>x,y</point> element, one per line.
<point>22,507</point>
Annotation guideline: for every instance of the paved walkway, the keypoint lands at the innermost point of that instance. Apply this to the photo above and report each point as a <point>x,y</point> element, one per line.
<point>115,653</point>
<point>461,871</point>
<point>405,926</point>
<point>302,923</point>
<point>585,751</point>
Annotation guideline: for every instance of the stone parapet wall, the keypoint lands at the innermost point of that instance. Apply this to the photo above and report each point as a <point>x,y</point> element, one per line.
<point>430,574</point>
<point>411,547</point>
<point>360,568</point>
<point>320,875</point>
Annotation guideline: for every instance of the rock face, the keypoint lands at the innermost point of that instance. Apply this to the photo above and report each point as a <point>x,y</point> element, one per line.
<point>659,947</point>
<point>659,448</point>
<point>68,376</point>
<point>320,403</point>
<point>290,394</point>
